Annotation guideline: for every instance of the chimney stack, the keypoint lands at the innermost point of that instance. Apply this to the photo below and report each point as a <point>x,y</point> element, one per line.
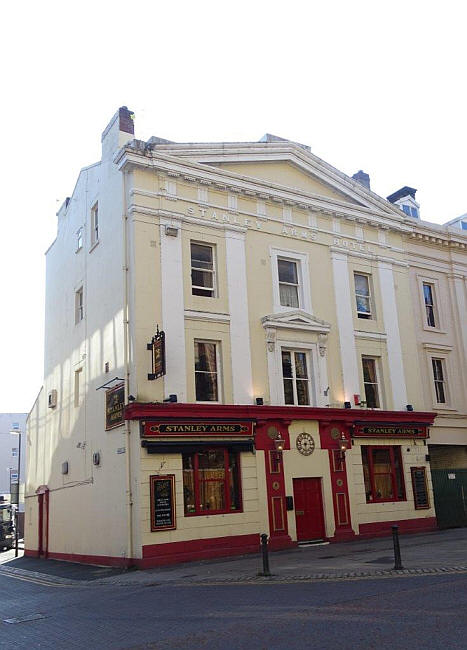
<point>118,132</point>
<point>362,178</point>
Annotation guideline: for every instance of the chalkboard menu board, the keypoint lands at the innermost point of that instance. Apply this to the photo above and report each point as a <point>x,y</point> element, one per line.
<point>162,502</point>
<point>420,489</point>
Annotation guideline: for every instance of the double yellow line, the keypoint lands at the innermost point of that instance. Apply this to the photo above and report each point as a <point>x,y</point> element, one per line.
<point>34,579</point>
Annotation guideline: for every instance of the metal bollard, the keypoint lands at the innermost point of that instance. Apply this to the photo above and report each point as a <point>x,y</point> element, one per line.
<point>264,552</point>
<point>397,550</point>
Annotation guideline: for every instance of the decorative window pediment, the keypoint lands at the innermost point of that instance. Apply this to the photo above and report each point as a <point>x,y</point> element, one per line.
<point>296,319</point>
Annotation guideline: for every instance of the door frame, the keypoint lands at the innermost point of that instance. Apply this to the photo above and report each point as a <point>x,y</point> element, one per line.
<point>320,482</point>
<point>43,521</point>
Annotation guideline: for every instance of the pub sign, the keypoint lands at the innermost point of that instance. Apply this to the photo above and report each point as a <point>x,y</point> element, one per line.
<point>383,430</point>
<point>196,428</point>
<point>114,405</point>
<point>162,489</point>
<point>157,349</point>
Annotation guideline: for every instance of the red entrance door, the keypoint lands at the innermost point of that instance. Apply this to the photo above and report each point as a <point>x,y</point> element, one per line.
<point>309,514</point>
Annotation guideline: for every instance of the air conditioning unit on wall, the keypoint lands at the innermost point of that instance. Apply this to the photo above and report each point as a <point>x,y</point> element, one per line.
<point>52,399</point>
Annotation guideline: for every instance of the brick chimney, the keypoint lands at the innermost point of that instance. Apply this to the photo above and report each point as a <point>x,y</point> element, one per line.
<point>118,132</point>
<point>362,178</point>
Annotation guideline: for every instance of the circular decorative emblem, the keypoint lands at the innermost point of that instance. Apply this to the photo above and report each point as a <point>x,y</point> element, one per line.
<point>273,433</point>
<point>276,485</point>
<point>339,482</point>
<point>305,444</point>
<point>335,433</point>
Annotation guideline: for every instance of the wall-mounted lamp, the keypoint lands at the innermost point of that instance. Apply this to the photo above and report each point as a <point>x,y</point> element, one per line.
<point>347,405</point>
<point>259,401</point>
<point>343,445</point>
<point>409,407</point>
<point>279,444</point>
<point>171,398</point>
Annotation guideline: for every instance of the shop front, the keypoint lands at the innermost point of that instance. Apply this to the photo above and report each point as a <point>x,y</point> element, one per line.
<point>213,477</point>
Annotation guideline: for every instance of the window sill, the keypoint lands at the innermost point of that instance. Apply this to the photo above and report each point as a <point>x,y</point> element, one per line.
<point>93,246</point>
<point>436,330</point>
<point>443,407</point>
<point>387,501</point>
<point>212,513</point>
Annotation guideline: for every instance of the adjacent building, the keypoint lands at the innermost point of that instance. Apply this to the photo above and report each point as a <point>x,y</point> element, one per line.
<point>234,346</point>
<point>12,457</point>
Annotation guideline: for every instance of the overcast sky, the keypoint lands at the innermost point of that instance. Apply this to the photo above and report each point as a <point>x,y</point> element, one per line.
<point>378,86</point>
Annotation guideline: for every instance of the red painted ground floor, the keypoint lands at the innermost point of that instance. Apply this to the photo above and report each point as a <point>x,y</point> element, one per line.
<point>298,474</point>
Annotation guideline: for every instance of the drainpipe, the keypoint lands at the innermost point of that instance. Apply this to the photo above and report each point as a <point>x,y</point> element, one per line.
<point>126,340</point>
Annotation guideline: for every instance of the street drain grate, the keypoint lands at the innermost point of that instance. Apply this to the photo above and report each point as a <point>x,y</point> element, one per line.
<point>24,619</point>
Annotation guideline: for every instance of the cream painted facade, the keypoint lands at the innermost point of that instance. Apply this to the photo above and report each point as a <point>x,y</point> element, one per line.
<point>253,206</point>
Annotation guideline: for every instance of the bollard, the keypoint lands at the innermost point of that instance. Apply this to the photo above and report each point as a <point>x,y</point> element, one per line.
<point>264,552</point>
<point>397,550</point>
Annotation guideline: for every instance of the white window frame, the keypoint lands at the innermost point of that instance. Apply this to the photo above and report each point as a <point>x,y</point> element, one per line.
<point>311,393</point>
<point>435,291</point>
<point>304,293</point>
<point>379,380</point>
<point>79,239</point>
<point>218,346</point>
<point>214,269</point>
<point>95,224</point>
<point>276,386</point>
<point>443,357</point>
<point>79,305</point>
<point>371,314</point>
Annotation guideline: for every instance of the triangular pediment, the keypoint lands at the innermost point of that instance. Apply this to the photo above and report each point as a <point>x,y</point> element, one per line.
<point>296,319</point>
<point>292,177</point>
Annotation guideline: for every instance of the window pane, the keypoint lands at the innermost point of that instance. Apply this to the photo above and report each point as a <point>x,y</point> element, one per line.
<point>369,370</point>
<point>287,271</point>
<point>288,295</point>
<point>437,369</point>
<point>383,486</point>
<point>211,495</point>
<point>363,304</point>
<point>361,284</point>
<point>440,396</point>
<point>427,292</point>
<point>381,461</point>
<point>286,364</point>
<point>302,393</point>
<point>366,474</point>
<point>288,391</point>
<point>398,473</point>
<point>406,209</point>
<point>206,387</point>
<point>202,279</point>
<point>212,459</point>
<point>201,256</point>
<point>371,396</point>
<point>188,484</point>
<point>300,365</point>
<point>205,356</point>
<point>234,488</point>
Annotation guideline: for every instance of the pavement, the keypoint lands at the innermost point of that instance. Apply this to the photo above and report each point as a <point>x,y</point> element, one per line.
<point>422,554</point>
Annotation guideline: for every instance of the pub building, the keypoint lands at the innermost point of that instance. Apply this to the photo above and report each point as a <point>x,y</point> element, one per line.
<point>271,349</point>
<point>219,475</point>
